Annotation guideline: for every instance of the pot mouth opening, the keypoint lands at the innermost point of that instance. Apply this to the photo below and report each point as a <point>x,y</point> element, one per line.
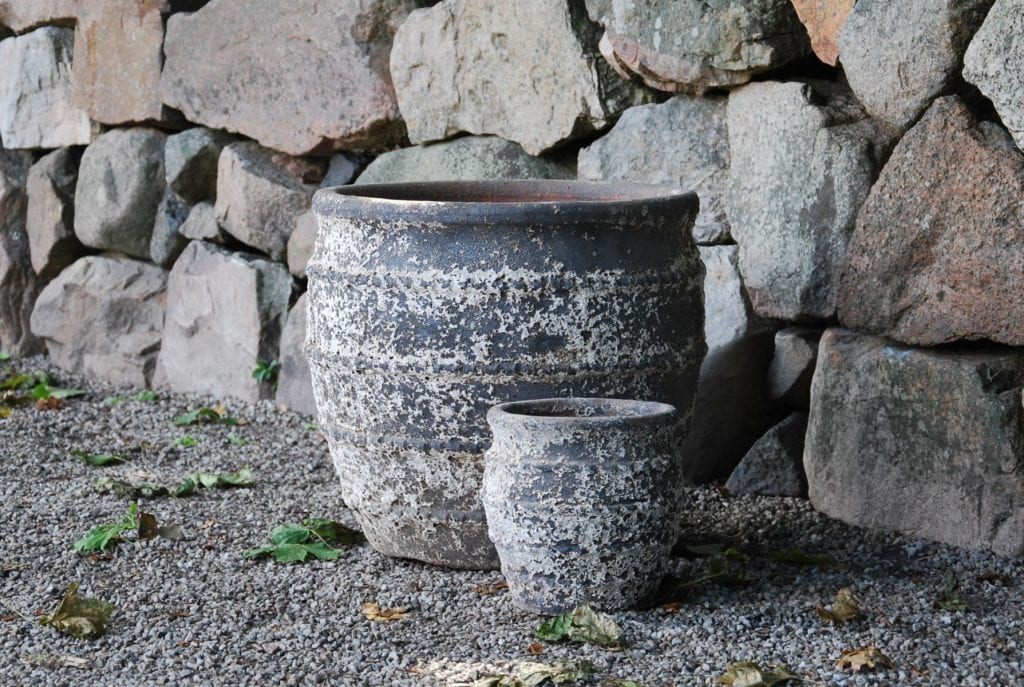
<point>586,410</point>
<point>523,191</point>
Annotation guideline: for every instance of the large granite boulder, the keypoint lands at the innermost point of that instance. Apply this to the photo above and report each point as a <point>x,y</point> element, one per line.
<point>995,60</point>
<point>804,156</point>
<point>19,284</point>
<point>899,56</point>
<point>731,409</point>
<point>774,464</point>
<point>683,143</point>
<point>167,241</point>
<point>694,46</point>
<point>225,312</point>
<point>120,185</point>
<point>928,442</point>
<point>22,15</point>
<point>938,254</point>
<point>824,19</point>
<point>51,212</point>
<point>467,158</point>
<point>103,317</point>
<point>526,71</point>
<point>190,162</point>
<point>258,198</point>
<point>294,385</point>
<point>35,92</point>
<point>309,75</point>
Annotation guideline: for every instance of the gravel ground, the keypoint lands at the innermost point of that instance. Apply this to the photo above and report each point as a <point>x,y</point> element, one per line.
<point>198,612</point>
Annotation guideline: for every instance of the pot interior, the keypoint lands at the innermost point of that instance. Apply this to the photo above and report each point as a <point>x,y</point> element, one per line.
<point>509,191</point>
<point>584,408</point>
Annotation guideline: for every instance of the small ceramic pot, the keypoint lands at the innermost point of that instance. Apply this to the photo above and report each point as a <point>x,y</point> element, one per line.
<point>582,497</point>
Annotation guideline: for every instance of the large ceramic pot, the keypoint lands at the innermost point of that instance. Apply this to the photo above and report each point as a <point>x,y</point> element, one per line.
<point>582,497</point>
<point>431,302</point>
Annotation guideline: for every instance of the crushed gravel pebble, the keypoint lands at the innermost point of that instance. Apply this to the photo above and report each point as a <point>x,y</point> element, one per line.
<point>197,612</point>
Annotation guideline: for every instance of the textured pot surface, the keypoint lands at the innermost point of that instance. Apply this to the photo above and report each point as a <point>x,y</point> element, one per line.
<point>431,302</point>
<point>582,499</point>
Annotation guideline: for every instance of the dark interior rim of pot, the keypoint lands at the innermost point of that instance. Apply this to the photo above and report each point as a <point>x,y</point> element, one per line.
<point>582,411</point>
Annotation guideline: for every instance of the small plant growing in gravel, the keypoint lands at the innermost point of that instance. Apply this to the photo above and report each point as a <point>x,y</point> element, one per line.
<point>80,617</point>
<point>266,371</point>
<point>146,395</point>
<point>583,624</point>
<point>185,441</point>
<point>236,440</point>
<point>99,460</point>
<point>100,537</point>
<point>317,537</point>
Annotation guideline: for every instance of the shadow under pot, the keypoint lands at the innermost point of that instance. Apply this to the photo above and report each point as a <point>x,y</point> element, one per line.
<point>582,497</point>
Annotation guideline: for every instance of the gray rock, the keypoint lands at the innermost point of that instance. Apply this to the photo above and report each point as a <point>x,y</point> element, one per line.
<point>342,169</point>
<point>294,385</point>
<point>190,162</point>
<point>266,89</point>
<point>923,441</point>
<point>22,15</point>
<point>35,92</point>
<point>804,157</point>
<point>995,60</point>
<point>525,71</point>
<point>694,46</point>
<point>732,408</point>
<point>774,464</point>
<point>201,224</point>
<point>258,199</point>
<point>225,312</point>
<point>899,56</point>
<point>19,284</point>
<point>301,243</point>
<point>167,242</point>
<point>938,253</point>
<point>789,375</point>
<point>51,212</point>
<point>120,185</point>
<point>466,158</point>
<point>103,317</point>
<point>683,142</point>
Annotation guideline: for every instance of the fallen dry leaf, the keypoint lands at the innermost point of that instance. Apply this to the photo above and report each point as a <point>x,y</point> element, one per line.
<point>865,658</point>
<point>492,588</point>
<point>845,608</point>
<point>54,661</point>
<point>535,649</point>
<point>673,607</point>
<point>375,613</point>
<point>52,403</point>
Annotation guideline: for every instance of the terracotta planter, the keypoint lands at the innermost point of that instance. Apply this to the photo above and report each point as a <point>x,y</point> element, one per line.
<point>431,302</point>
<point>582,500</point>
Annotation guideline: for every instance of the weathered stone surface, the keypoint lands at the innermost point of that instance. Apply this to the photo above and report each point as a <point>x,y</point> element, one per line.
<point>35,87</point>
<point>190,162</point>
<point>928,442</point>
<point>774,464</point>
<point>683,142</point>
<point>118,56</point>
<point>938,254</point>
<point>466,158</point>
<point>335,49</point>
<point>824,19</point>
<point>898,57</point>
<point>19,284</point>
<point>225,311</point>
<point>167,242</point>
<point>103,317</point>
<point>201,224</point>
<point>803,160</point>
<point>120,184</point>
<point>51,212</point>
<point>22,15</point>
<point>294,386</point>
<point>257,199</point>
<point>525,71</point>
<point>789,375</point>
<point>995,60</point>
<point>694,46</point>
<point>731,409</point>
<point>342,169</point>
<point>301,242</point>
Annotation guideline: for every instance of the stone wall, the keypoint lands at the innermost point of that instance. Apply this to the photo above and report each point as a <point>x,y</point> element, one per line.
<point>858,164</point>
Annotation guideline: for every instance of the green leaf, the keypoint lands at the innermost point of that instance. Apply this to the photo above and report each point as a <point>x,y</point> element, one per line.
<point>99,538</point>
<point>844,609</point>
<point>293,543</point>
<point>554,629</point>
<point>146,395</point>
<point>584,624</point>
<point>797,556</point>
<point>98,460</point>
<point>186,441</point>
<point>16,382</point>
<point>748,674</point>
<point>310,426</point>
<point>197,417</point>
<point>266,370</point>
<point>236,440</point>
<point>83,618</point>
<point>949,598</point>
<point>295,552</point>
<point>129,489</point>
<point>290,534</point>
<point>334,533</point>
<point>4,356</point>
<point>114,400</point>
<point>43,391</point>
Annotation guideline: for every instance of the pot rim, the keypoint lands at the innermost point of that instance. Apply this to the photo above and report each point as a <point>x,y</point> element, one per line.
<point>505,200</point>
<point>639,412</point>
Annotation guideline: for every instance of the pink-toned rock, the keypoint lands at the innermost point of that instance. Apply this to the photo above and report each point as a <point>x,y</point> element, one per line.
<point>823,20</point>
<point>938,252</point>
<point>309,75</point>
<point>22,15</point>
